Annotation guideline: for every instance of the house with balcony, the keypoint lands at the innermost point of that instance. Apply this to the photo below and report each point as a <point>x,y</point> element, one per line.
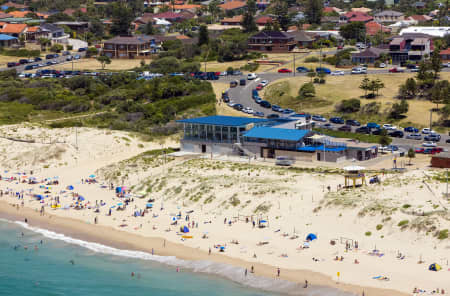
<point>271,41</point>
<point>419,48</point>
<point>413,47</point>
<point>129,47</point>
<point>389,16</point>
<point>54,33</point>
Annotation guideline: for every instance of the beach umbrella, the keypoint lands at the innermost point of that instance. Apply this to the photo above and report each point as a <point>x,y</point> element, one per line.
<point>263,221</point>
<point>92,176</point>
<point>80,198</point>
<point>70,187</point>
<point>311,237</point>
<point>120,204</point>
<point>56,178</point>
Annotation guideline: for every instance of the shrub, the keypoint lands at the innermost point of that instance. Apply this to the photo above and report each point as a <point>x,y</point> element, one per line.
<point>316,80</point>
<point>312,60</point>
<point>307,91</point>
<point>368,233</point>
<point>379,227</point>
<point>402,223</point>
<point>20,52</point>
<point>349,106</point>
<point>443,234</point>
<point>405,206</point>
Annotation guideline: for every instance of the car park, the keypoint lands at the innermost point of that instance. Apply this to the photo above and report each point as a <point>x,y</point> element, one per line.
<point>303,69</point>
<point>345,128</point>
<point>352,122</point>
<point>251,76</point>
<point>411,129</point>
<point>414,136</point>
<point>337,73</point>
<point>284,70</point>
<point>373,125</point>
<point>337,120</point>
<point>396,134</point>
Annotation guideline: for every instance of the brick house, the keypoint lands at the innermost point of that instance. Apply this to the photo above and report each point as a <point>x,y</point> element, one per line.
<point>374,28</point>
<point>129,47</point>
<point>271,41</point>
<point>232,21</point>
<point>445,54</point>
<point>389,16</point>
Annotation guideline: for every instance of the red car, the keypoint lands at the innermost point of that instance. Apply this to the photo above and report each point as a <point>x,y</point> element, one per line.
<point>438,150</point>
<point>259,87</point>
<point>396,70</point>
<point>420,150</point>
<point>340,47</point>
<point>284,70</point>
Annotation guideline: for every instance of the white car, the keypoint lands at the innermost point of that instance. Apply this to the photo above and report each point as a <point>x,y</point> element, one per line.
<point>248,110</point>
<point>427,131</point>
<point>429,144</point>
<point>382,65</point>
<point>389,127</point>
<point>337,73</point>
<point>231,104</point>
<point>251,76</point>
<point>223,73</point>
<point>22,75</point>
<point>264,83</point>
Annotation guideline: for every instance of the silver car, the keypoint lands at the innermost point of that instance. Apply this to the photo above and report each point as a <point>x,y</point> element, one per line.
<point>414,136</point>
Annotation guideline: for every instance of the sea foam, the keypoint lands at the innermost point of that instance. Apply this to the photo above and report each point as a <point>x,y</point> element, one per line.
<point>229,272</point>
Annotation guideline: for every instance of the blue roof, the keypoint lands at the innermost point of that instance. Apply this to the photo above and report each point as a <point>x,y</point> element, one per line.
<point>273,133</point>
<point>223,120</point>
<point>321,148</point>
<point>4,37</point>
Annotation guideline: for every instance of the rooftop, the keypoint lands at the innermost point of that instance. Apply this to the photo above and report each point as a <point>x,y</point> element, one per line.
<point>273,133</point>
<point>4,37</point>
<point>271,34</point>
<point>13,28</point>
<point>233,5</point>
<point>141,39</point>
<point>223,120</point>
<point>388,13</point>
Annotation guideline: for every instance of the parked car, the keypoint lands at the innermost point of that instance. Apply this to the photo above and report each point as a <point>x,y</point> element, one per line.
<point>328,126</point>
<point>429,144</point>
<point>419,150</point>
<point>49,57</point>
<point>81,49</point>
<point>303,69</point>
<point>23,61</point>
<point>319,118</point>
<point>358,70</point>
<point>382,65</point>
<point>258,113</point>
<point>66,53</point>
<point>265,104</point>
<point>248,110</point>
<point>264,83</point>
<point>373,125</point>
<point>429,151</point>
<point>28,67</point>
<point>433,137</point>
<point>396,134</point>
<point>389,127</point>
<point>323,70</point>
<point>414,136</point>
<point>237,72</point>
<point>275,108</point>
<point>77,57</point>
<point>426,130</point>
<point>238,107</point>
<point>273,116</point>
<point>337,73</point>
<point>11,64</point>
<point>233,83</point>
<point>411,66</point>
<point>415,69</point>
<point>352,122</point>
<point>345,128</point>
<point>242,82</point>
<point>340,47</point>
<point>396,70</point>
<point>447,141</point>
<point>251,76</point>
<point>37,59</point>
<point>379,131</point>
<point>288,111</point>
<point>411,129</point>
<point>284,70</point>
<point>337,120</point>
<point>259,87</point>
<point>363,130</point>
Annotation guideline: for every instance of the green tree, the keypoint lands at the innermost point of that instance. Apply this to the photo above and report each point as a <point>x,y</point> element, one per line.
<point>307,91</point>
<point>365,85</point>
<point>311,75</point>
<point>248,23</point>
<point>44,42</point>
<point>56,47</point>
<point>281,13</point>
<point>384,140</point>
<point>436,62</point>
<point>97,29</point>
<point>313,11</point>
<point>251,7</point>
<point>375,85</point>
<point>91,51</point>
<point>353,30</point>
<point>349,106</point>
<point>411,154</point>
<point>409,89</point>
<point>104,60</point>
<point>203,36</point>
<point>398,109</point>
<point>440,92</point>
<point>122,16</point>
<point>214,9</point>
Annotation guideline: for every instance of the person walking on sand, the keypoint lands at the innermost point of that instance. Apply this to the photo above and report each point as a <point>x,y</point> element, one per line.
<point>306,284</point>
<point>209,252</point>
<point>278,272</point>
<point>252,269</point>
<point>245,273</point>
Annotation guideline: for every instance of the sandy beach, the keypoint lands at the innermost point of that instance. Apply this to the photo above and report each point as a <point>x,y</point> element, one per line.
<point>384,235</point>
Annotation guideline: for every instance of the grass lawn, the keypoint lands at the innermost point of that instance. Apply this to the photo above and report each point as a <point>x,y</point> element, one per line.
<point>338,88</point>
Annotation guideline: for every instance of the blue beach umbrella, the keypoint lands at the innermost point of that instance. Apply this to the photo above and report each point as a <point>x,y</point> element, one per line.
<point>92,176</point>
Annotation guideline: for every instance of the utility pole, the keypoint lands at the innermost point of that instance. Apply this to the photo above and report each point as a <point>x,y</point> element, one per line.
<point>446,191</point>
<point>431,114</point>
<point>293,70</point>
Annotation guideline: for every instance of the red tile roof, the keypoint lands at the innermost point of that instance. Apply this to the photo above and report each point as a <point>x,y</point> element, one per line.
<point>420,18</point>
<point>18,14</point>
<point>233,5</point>
<point>33,29</point>
<point>13,28</point>
<point>167,15</point>
<point>18,6</point>
<point>373,28</point>
<point>361,18</point>
<point>234,19</point>
<point>186,6</point>
<point>445,51</point>
<point>264,20</point>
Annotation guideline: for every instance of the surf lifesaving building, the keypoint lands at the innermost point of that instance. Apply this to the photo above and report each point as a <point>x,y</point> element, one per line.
<point>268,138</point>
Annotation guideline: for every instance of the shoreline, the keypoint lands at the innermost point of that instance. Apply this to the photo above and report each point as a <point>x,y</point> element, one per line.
<point>127,241</point>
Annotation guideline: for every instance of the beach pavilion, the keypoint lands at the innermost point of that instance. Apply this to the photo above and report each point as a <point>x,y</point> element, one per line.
<point>353,174</point>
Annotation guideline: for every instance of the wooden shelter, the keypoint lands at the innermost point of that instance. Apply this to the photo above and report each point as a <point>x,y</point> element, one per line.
<point>353,174</point>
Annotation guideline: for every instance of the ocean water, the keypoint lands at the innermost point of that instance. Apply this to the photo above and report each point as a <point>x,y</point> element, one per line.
<point>48,270</point>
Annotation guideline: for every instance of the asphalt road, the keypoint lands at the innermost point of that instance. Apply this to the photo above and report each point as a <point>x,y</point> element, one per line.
<point>243,95</point>
<point>59,60</point>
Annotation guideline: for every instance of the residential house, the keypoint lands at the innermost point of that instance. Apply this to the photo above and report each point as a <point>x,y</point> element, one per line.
<point>5,15</point>
<point>419,5</point>
<point>130,47</point>
<point>71,11</point>
<point>34,33</point>
<point>80,27</point>
<point>172,17</point>
<point>182,38</point>
<point>356,16</point>
<point>271,41</point>
<point>419,18</point>
<point>330,20</point>
<point>14,30</point>
<point>17,6</point>
<point>431,31</point>
<point>445,54</point>
<point>419,48</point>
<point>364,10</point>
<point>262,4</point>
<point>389,16</point>
<point>186,7</point>
<point>7,40</point>
<point>233,5</point>
<point>331,10</point>
<point>368,56</point>
<point>19,14</point>
<point>54,33</point>
<point>411,47</point>
<point>233,21</point>
<point>302,39</point>
<point>374,28</point>
<point>263,20</point>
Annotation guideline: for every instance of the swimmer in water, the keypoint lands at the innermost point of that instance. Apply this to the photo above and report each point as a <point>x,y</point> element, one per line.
<point>72,262</point>
<point>132,273</point>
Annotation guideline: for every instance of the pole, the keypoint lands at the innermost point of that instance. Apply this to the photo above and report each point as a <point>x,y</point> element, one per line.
<point>446,192</point>
<point>293,70</point>
<point>431,114</point>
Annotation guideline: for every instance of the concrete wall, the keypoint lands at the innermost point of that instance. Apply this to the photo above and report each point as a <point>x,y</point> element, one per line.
<point>440,162</point>
<point>196,147</point>
<point>301,156</point>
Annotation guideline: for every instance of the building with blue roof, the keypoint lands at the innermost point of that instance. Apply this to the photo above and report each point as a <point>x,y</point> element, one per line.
<point>7,41</point>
